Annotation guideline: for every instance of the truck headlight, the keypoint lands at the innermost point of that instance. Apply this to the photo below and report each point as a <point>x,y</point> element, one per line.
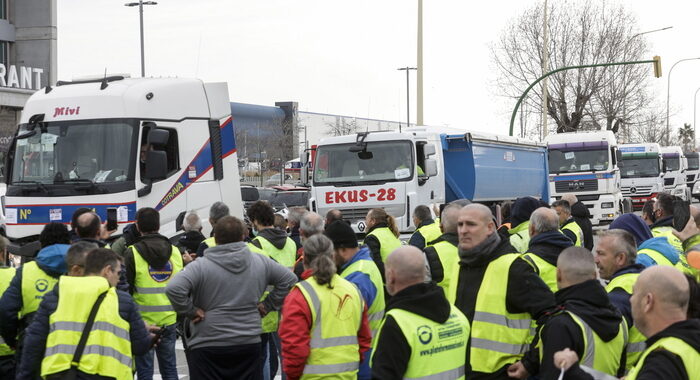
<point>607,205</point>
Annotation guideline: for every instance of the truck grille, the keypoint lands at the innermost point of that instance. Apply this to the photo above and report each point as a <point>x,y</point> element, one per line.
<point>353,214</point>
<point>639,190</point>
<point>690,178</point>
<point>576,186</point>
<point>669,181</point>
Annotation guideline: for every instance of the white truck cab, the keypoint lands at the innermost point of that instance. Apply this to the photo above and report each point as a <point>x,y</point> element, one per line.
<point>675,166</point>
<point>640,169</point>
<point>121,143</point>
<point>693,173</point>
<point>586,164</point>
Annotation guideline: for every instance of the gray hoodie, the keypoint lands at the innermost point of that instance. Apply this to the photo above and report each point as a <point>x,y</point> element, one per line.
<point>227,284</point>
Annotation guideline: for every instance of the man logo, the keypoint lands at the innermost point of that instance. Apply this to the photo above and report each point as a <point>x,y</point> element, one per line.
<point>163,274</point>
<point>425,334</point>
<point>41,285</point>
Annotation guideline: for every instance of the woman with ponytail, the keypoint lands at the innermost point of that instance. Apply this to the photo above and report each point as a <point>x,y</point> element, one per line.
<point>382,236</point>
<point>324,328</point>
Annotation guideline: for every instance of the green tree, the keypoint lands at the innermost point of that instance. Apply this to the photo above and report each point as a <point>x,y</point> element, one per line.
<point>686,135</point>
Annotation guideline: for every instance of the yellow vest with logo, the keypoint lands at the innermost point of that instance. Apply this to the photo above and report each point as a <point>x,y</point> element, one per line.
<point>336,316</point>
<point>388,242</point>
<point>108,347</point>
<point>150,285</point>
<point>599,357</point>
<point>578,232</point>
<point>35,283</point>
<point>689,356</point>
<point>498,337</point>
<point>667,231</point>
<point>449,259</point>
<point>546,271</point>
<point>438,351</point>
<point>636,344</point>
<point>285,257</point>
<point>520,236</point>
<point>376,309</point>
<point>6,276</point>
<point>429,232</point>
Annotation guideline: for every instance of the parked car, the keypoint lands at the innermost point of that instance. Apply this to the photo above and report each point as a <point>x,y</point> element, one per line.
<point>276,179</point>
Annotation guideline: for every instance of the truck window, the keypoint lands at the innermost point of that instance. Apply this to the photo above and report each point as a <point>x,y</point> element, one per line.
<point>171,148</point>
<point>571,161</point>
<point>672,164</point>
<point>640,166</point>
<point>389,161</point>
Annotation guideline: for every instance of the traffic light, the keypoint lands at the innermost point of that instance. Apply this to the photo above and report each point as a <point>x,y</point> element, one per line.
<point>657,66</point>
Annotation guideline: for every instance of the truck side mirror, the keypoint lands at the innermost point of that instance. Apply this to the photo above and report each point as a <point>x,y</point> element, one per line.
<point>618,157</point>
<point>428,150</point>
<point>158,137</point>
<point>431,169</point>
<point>156,165</point>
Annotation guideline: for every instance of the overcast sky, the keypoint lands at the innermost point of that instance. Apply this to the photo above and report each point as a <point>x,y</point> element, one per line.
<point>341,57</point>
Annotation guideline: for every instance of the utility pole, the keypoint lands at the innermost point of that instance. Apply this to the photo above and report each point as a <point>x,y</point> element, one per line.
<point>419,79</point>
<point>668,97</point>
<point>140,4</point>
<point>408,96</point>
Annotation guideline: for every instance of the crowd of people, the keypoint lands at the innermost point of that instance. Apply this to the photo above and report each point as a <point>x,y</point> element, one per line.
<point>516,290</point>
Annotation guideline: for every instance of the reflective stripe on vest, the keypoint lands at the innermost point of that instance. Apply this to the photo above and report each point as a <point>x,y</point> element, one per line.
<point>520,236</point>
<point>498,337</point>
<point>689,356</point>
<point>449,259</point>
<point>6,276</point>
<point>438,350</point>
<point>429,232</point>
<point>108,347</point>
<point>376,309</point>
<point>600,356</point>
<point>546,271</point>
<point>667,232</point>
<point>388,242</point>
<point>658,258</point>
<point>35,283</point>
<point>336,318</point>
<point>150,285</point>
<point>636,344</point>
<point>683,266</point>
<point>578,232</point>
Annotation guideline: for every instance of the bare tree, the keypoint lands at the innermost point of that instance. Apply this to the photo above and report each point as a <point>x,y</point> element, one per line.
<point>580,33</point>
<point>341,127</point>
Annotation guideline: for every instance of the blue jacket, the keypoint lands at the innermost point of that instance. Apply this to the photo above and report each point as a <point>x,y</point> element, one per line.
<point>620,298</point>
<point>51,260</point>
<point>658,244</point>
<point>633,224</point>
<point>38,330</point>
<point>361,280</point>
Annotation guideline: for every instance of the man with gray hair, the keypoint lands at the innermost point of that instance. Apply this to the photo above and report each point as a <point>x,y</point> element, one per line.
<point>442,256</point>
<point>586,322</point>
<point>294,223</point>
<point>311,224</point>
<point>546,243</point>
<point>189,242</point>
<point>616,255</point>
<point>217,211</point>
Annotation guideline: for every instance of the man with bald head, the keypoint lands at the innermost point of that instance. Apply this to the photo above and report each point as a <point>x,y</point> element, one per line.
<point>659,306</point>
<point>586,322</point>
<point>422,335</point>
<point>442,256</point>
<point>498,292</point>
<point>546,243</point>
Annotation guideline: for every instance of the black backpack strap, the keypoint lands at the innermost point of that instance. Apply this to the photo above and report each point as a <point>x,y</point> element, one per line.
<point>86,330</point>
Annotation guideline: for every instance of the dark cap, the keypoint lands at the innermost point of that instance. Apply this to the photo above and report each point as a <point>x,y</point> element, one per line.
<point>341,234</point>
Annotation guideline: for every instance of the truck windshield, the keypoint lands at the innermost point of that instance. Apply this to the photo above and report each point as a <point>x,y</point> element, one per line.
<point>94,151</point>
<point>693,163</point>
<point>383,161</point>
<point>561,161</point>
<point>672,164</point>
<point>640,167</point>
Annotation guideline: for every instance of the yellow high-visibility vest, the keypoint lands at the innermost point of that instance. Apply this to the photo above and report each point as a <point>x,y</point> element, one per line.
<point>154,304</point>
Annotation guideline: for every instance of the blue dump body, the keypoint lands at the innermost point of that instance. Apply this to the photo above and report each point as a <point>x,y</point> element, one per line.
<point>482,170</point>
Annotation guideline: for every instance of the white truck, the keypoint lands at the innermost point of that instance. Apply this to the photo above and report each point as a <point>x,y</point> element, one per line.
<point>121,143</point>
<point>586,164</point>
<point>421,166</point>
<point>675,166</point>
<point>640,168</point>
<point>692,175</point>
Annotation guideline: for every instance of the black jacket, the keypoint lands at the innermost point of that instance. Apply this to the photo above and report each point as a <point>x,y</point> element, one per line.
<point>548,245</point>
<point>663,222</point>
<point>437,272</point>
<point>190,241</point>
<point>38,331</point>
<point>526,293</point>
<point>620,298</point>
<point>374,246</point>
<point>417,239</point>
<point>589,301</point>
<point>154,248</point>
<point>392,352</point>
<point>295,236</point>
<point>582,216</point>
<point>660,364</point>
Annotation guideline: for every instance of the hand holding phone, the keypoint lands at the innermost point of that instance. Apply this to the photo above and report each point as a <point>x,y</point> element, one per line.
<point>111,218</point>
<point>681,214</point>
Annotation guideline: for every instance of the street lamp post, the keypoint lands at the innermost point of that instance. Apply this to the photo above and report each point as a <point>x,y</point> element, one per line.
<point>695,109</point>
<point>408,96</point>
<point>140,4</point>
<point>668,97</point>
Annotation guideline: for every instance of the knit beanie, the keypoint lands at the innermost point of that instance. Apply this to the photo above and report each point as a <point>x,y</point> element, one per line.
<point>341,234</point>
